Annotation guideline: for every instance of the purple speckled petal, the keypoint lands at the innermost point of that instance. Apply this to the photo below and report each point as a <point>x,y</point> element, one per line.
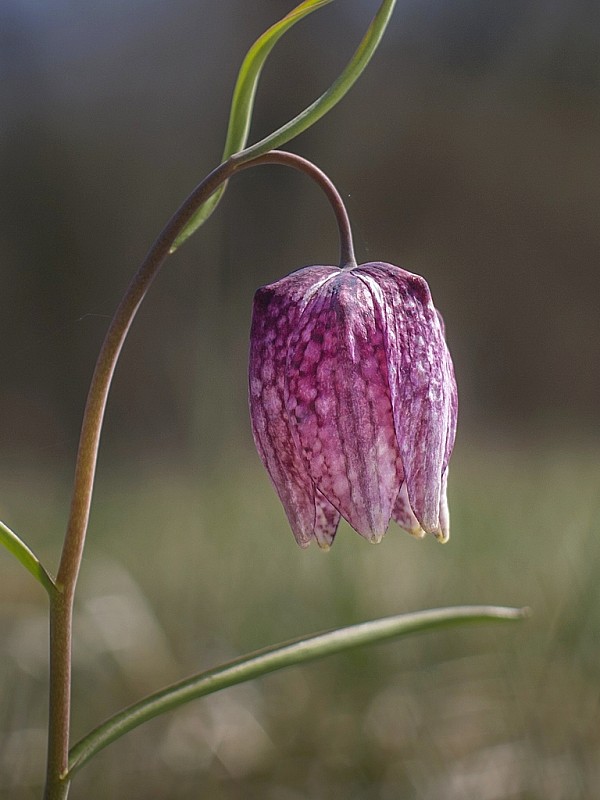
<point>451,381</point>
<point>277,309</point>
<point>339,403</point>
<point>403,514</point>
<point>421,383</point>
<point>444,512</point>
<point>326,521</point>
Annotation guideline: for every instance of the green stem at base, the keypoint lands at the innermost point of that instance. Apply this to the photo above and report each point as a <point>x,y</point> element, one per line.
<point>61,615</point>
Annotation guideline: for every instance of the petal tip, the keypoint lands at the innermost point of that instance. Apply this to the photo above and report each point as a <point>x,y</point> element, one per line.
<point>302,544</point>
<point>442,536</point>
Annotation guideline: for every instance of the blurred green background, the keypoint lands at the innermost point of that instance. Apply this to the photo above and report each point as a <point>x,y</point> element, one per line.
<point>468,152</point>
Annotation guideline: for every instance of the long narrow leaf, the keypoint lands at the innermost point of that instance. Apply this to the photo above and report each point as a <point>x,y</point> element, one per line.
<point>333,95</point>
<point>245,88</point>
<point>274,658</point>
<point>242,103</point>
<point>18,548</point>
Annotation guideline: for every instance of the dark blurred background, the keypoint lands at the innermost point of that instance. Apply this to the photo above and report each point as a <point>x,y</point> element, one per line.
<point>469,153</point>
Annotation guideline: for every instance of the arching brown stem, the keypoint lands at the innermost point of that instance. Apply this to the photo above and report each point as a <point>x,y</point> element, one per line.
<point>61,606</point>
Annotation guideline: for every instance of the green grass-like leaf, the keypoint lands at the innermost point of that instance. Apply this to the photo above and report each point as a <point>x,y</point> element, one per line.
<point>274,658</point>
<point>242,103</point>
<point>333,95</point>
<point>18,548</point>
<point>245,91</point>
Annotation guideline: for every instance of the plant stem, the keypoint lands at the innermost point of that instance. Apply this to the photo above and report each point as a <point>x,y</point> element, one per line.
<point>57,784</point>
<point>61,606</point>
<point>347,257</point>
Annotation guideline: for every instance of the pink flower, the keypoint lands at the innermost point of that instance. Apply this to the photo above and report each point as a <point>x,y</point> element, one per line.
<point>353,400</point>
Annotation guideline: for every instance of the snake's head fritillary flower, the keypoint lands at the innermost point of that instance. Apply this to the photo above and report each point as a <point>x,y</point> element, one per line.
<point>353,400</point>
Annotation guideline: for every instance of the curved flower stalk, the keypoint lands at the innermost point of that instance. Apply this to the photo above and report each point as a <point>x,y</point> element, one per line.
<point>353,400</point>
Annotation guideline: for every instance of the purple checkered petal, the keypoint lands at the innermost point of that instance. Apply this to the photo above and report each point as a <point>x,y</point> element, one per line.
<point>338,400</point>
<point>277,309</point>
<point>326,521</point>
<point>403,514</point>
<point>451,383</point>
<point>422,387</point>
<point>444,512</point>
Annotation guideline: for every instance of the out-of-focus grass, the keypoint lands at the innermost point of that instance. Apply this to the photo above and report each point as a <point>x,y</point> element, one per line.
<point>183,572</point>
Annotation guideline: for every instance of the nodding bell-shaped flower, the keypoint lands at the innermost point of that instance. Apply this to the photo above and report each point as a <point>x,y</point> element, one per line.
<point>353,400</point>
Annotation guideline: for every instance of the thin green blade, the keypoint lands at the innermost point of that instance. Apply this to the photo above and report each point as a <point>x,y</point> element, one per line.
<point>242,103</point>
<point>18,548</point>
<point>333,95</point>
<point>274,658</point>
